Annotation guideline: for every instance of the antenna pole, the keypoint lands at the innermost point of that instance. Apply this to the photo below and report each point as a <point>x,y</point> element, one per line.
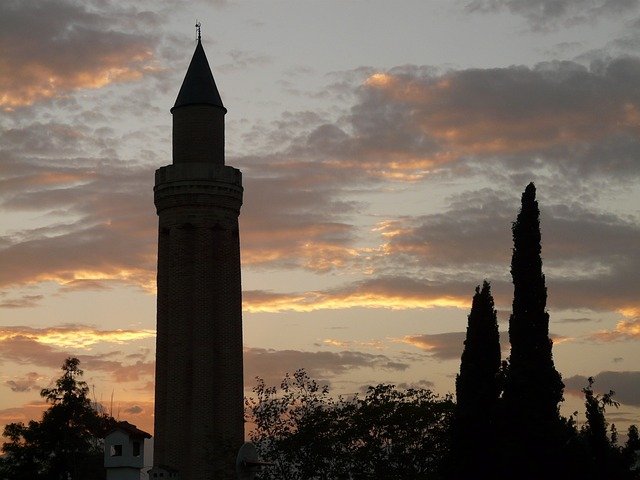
<point>198,25</point>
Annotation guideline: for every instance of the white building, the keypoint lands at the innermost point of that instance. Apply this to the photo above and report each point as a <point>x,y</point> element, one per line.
<point>124,452</point>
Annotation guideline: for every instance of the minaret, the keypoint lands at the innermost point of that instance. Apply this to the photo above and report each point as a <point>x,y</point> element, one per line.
<point>199,423</point>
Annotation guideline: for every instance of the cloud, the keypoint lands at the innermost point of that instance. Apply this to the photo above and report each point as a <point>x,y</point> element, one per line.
<point>550,14</point>
<point>432,260</point>
<point>333,342</point>
<point>575,320</point>
<point>50,48</point>
<point>395,293</point>
<point>474,231</point>
<point>514,114</point>
<point>416,385</point>
<point>241,60</point>
<point>626,385</point>
<point>106,232</point>
<point>134,410</point>
<point>139,413</point>
<point>271,365</point>
<point>589,256</point>
<point>73,336</point>
<point>403,125</point>
<point>443,346</point>
<point>26,301</point>
<point>28,383</point>
<point>50,346</point>
<point>624,330</point>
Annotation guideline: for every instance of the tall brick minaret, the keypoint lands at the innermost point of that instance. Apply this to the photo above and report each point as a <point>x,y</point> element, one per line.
<point>199,389</point>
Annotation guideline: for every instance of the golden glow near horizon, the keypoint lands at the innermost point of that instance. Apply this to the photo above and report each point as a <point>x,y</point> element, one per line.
<point>313,301</point>
<point>81,337</point>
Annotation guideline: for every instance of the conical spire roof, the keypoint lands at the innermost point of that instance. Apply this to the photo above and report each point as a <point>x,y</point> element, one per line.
<point>199,87</point>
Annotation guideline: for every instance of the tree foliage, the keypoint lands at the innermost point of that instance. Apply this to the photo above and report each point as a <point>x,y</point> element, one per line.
<point>478,389</point>
<point>387,433</point>
<point>533,387</point>
<point>67,443</point>
<point>599,455</point>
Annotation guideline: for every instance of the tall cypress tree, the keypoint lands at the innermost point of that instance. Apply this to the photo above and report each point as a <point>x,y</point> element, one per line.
<point>477,392</point>
<point>533,387</point>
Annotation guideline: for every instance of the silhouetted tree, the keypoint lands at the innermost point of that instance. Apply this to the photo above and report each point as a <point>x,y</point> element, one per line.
<point>595,428</point>
<point>67,443</point>
<point>388,433</point>
<point>533,387</point>
<point>603,457</point>
<point>477,392</point>
<point>631,450</point>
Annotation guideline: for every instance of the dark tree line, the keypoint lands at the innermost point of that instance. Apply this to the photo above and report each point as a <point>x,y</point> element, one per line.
<point>386,433</point>
<point>507,422</point>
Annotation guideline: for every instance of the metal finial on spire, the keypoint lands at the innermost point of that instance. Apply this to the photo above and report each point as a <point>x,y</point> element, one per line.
<point>198,25</point>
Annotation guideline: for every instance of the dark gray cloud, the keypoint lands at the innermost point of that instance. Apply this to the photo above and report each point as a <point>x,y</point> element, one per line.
<point>448,346</point>
<point>626,384</point>
<point>109,234</point>
<point>28,383</point>
<point>25,301</point>
<point>271,365</point>
<point>134,410</point>
<point>589,256</point>
<point>242,60</point>
<point>443,346</point>
<point>575,320</point>
<point>51,47</point>
<point>550,14</point>
<point>410,122</point>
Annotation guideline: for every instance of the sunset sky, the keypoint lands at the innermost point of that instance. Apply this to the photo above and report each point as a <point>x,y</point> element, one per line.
<point>384,147</point>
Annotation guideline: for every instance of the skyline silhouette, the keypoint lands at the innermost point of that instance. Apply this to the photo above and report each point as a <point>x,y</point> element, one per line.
<point>384,152</point>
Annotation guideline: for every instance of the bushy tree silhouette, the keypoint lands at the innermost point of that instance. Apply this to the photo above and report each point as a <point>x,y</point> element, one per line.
<point>386,433</point>
<point>67,443</point>
<point>533,387</point>
<point>477,392</point>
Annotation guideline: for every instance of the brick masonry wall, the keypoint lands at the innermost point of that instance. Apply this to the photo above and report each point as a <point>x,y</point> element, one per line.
<point>199,423</point>
<point>198,134</point>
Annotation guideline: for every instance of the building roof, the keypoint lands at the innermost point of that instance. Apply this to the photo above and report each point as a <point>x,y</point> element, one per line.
<point>199,87</point>
<point>131,430</point>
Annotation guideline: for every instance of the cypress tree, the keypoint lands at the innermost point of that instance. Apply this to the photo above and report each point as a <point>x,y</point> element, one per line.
<point>477,392</point>
<point>533,387</point>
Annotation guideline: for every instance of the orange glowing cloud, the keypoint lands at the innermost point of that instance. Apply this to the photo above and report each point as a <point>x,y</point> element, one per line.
<point>333,342</point>
<point>379,293</point>
<point>73,336</point>
<point>312,301</point>
<point>444,346</point>
<point>75,48</point>
<point>624,330</point>
<point>45,84</point>
<point>503,111</point>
